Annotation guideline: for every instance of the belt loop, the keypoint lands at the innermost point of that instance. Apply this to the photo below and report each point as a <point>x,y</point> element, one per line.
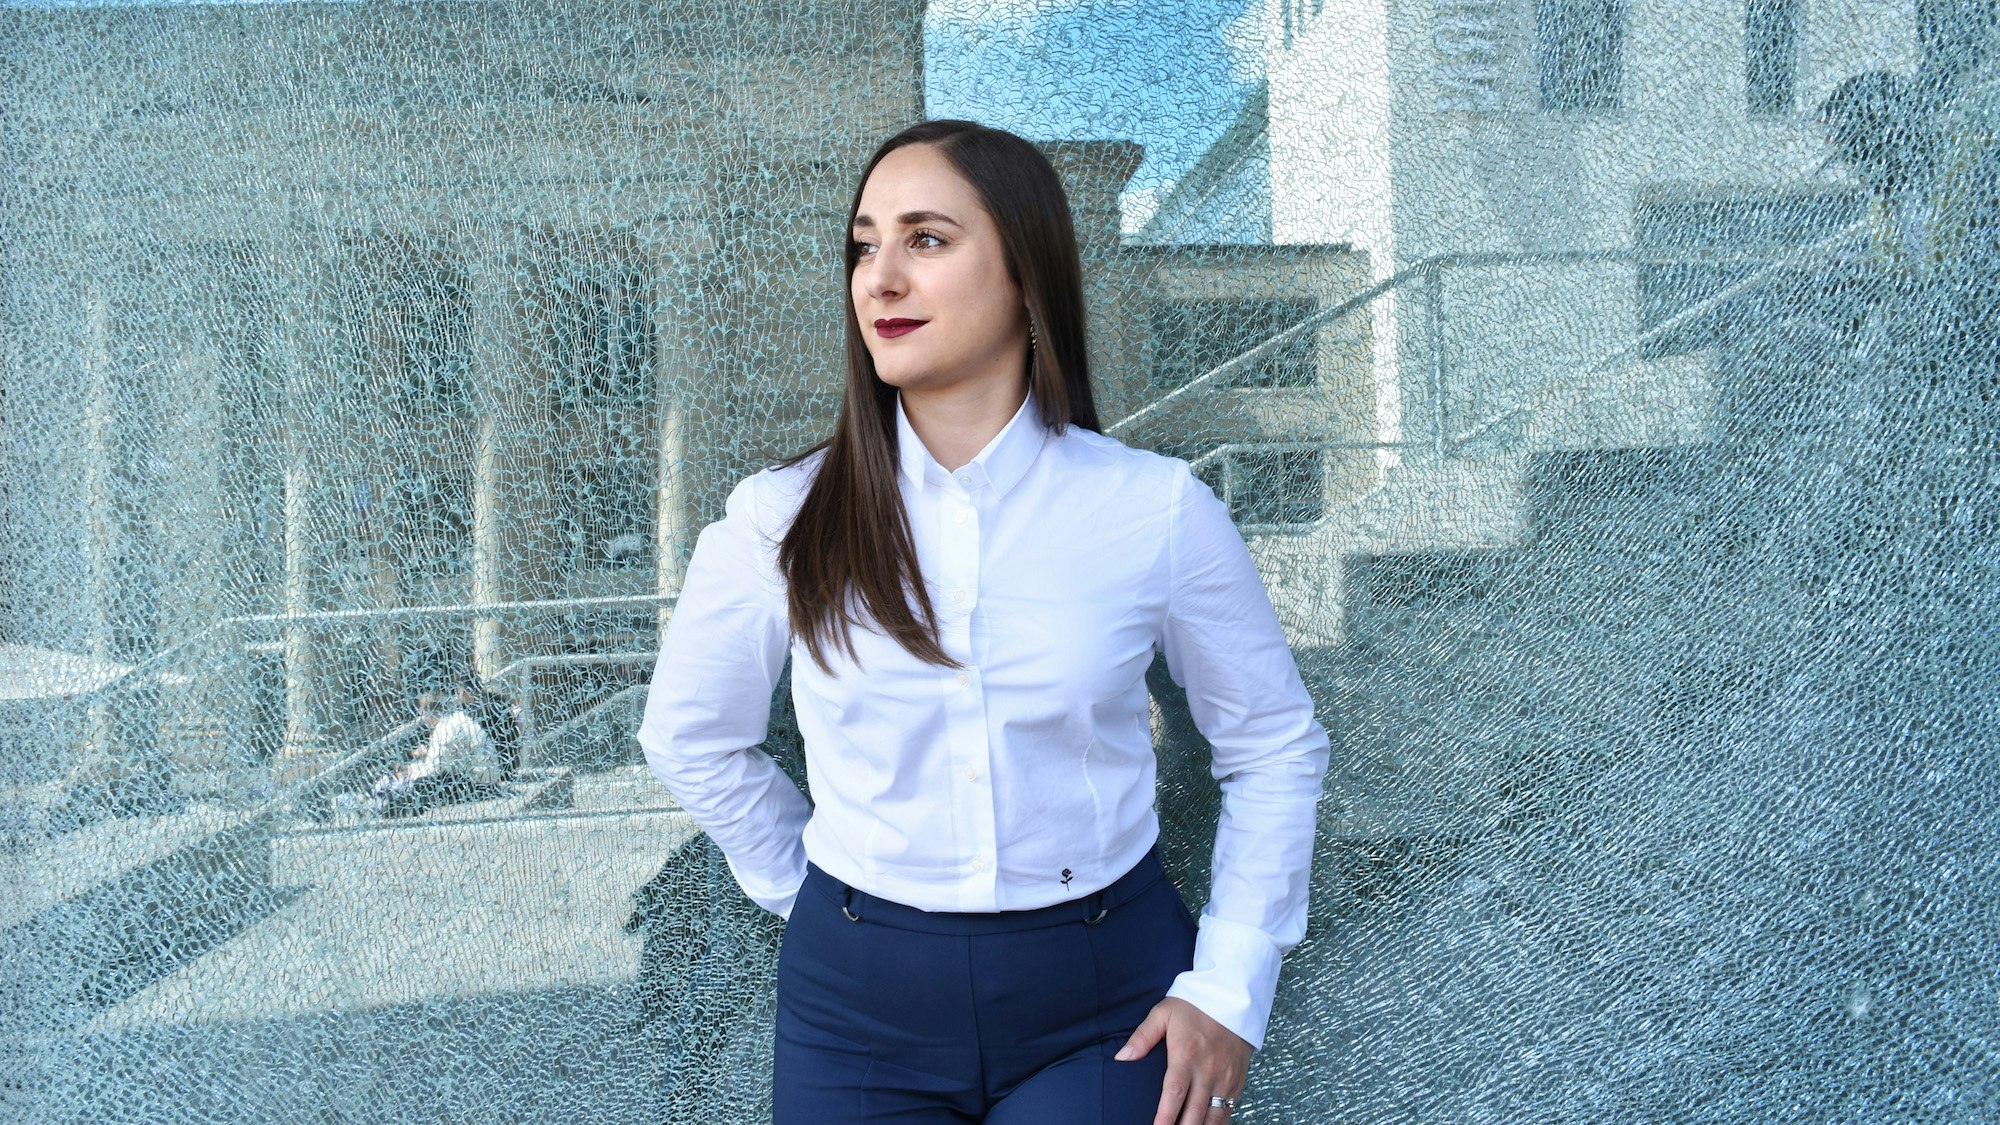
<point>1095,902</point>
<point>847,903</point>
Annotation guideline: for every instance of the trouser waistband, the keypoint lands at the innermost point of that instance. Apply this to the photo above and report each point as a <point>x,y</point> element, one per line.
<point>860,906</point>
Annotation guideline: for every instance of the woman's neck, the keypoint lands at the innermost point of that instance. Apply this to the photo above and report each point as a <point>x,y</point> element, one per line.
<point>956,423</point>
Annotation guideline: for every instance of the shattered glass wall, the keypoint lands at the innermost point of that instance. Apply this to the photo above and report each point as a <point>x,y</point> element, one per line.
<point>1615,432</point>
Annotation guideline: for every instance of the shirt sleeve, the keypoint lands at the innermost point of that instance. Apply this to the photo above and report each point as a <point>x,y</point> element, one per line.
<point>1224,645</point>
<point>709,705</point>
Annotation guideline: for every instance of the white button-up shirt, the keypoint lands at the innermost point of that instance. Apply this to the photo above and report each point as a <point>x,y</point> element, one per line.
<point>1058,566</point>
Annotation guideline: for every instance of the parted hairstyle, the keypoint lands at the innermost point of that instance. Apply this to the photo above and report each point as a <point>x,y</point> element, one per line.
<point>850,545</point>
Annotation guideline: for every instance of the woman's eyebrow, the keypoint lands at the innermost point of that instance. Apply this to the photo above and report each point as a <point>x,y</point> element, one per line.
<point>910,219</point>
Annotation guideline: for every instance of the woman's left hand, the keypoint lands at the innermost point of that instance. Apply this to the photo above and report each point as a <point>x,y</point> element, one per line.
<point>1204,1059</point>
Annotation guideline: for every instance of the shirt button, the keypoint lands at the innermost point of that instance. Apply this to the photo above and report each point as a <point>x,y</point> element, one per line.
<point>964,679</point>
<point>979,863</point>
<point>965,478</point>
<point>971,773</point>
<point>960,516</point>
<point>958,597</point>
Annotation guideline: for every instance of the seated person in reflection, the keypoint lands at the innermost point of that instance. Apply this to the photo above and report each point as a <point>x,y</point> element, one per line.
<point>499,718</point>
<point>456,761</point>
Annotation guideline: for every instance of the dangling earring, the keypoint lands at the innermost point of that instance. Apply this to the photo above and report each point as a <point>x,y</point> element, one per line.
<point>1031,335</point>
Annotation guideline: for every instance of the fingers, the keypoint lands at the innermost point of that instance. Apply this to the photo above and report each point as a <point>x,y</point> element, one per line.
<point>1196,1110</point>
<point>1213,1115</point>
<point>1186,1098</point>
<point>1148,1033</point>
<point>1193,1078</point>
<point>1174,1098</point>
<point>1204,1061</point>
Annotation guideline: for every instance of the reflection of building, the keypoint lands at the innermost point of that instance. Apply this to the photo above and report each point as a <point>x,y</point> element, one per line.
<point>310,309</point>
<point>303,319</point>
<point>1413,130</point>
<point>353,328</point>
<point>321,344</point>
<point>1499,166</point>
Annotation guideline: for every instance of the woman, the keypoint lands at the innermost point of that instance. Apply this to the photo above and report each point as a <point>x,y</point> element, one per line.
<point>973,580</point>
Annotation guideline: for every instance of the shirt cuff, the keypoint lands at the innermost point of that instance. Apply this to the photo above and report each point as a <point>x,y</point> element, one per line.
<point>1235,976</point>
<point>774,895</point>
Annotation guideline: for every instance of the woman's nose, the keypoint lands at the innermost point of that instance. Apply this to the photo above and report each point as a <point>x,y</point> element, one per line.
<point>886,276</point>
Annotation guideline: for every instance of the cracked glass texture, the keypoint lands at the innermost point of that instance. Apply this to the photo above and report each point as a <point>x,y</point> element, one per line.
<point>1619,454</point>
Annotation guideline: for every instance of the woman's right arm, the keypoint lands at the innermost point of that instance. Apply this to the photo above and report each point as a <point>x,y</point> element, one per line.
<point>709,705</point>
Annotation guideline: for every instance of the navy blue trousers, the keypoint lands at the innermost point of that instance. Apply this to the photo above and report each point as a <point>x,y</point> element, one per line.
<point>1011,1018</point>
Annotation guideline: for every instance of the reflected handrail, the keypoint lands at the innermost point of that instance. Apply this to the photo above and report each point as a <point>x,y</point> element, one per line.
<point>1833,249</point>
<point>1430,270</point>
<point>211,632</point>
<point>622,697</point>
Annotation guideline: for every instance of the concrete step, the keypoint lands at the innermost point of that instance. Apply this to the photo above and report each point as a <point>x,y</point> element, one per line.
<point>1394,600</point>
<point>1430,504</point>
<point>107,908</point>
<point>625,787</point>
<point>1610,498</point>
<point>432,914</point>
<point>1455,504</point>
<point>68,866</point>
<point>353,838</point>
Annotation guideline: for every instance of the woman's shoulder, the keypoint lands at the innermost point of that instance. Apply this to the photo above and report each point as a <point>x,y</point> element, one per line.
<point>771,495</point>
<point>1146,480</point>
<point>1136,465</point>
<point>790,478</point>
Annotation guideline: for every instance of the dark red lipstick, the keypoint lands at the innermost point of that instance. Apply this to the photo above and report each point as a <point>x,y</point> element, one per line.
<point>896,326</point>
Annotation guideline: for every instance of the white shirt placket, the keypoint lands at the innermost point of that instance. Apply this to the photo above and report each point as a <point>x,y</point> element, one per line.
<point>958,550</point>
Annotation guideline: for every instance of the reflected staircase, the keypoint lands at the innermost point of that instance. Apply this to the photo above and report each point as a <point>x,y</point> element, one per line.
<point>1401,601</point>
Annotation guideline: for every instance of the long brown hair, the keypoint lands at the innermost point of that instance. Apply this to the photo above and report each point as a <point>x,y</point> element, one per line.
<point>851,541</point>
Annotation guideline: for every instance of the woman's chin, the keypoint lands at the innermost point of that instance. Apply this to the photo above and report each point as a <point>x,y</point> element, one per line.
<point>902,380</point>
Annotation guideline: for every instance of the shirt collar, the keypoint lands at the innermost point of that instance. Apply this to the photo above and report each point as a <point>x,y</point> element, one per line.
<point>1002,463</point>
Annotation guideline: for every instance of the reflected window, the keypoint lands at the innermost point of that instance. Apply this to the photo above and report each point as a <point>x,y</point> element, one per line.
<point>601,350</point>
<point>429,325</point>
<point>1579,54</point>
<point>419,325</point>
<point>1770,54</point>
<point>603,337</point>
<point>1297,14</point>
<point>1193,337</point>
<point>431,514</point>
<point>1279,486</point>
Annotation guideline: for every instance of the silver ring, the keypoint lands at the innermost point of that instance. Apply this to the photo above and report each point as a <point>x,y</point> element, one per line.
<point>1220,1102</point>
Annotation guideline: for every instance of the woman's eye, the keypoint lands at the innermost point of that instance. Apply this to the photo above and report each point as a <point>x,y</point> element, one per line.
<point>860,249</point>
